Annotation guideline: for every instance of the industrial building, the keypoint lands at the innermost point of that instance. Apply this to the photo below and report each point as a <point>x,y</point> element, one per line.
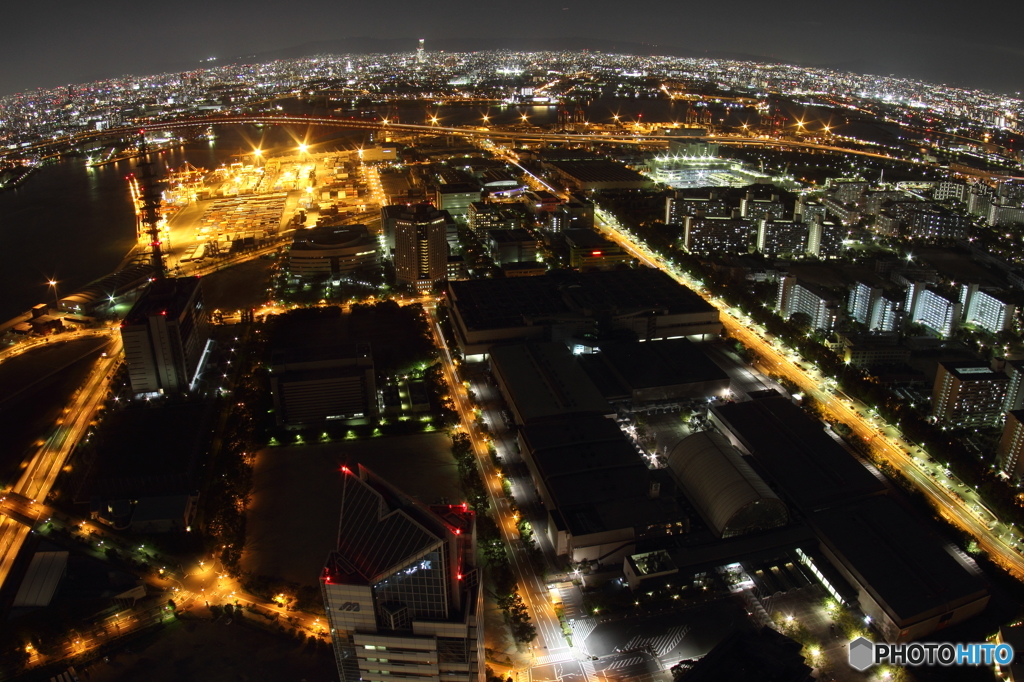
<point>731,498</point>
<point>542,381</point>
<point>330,250</point>
<point>592,174</point>
<point>165,337</point>
<point>810,469</point>
<point>567,306</point>
<point>511,246</point>
<point>909,581</point>
<point>316,376</point>
<point>670,371</point>
<point>601,499</point>
<point>456,199</point>
<point>588,250</point>
<point>401,591</point>
<point>968,394</point>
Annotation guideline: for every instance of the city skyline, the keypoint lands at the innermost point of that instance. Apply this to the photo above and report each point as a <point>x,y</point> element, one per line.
<point>917,40</point>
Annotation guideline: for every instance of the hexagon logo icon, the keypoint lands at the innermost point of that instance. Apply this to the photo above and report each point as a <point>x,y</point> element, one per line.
<point>862,654</point>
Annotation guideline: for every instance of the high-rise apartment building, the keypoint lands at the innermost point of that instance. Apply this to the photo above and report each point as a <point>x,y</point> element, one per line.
<point>862,301</point>
<point>717,235</point>
<point>421,246</point>
<point>1015,386</point>
<point>797,297</point>
<point>1011,445</point>
<point>776,237</point>
<point>968,394</point>
<point>886,314</point>
<point>401,591</point>
<point>938,312</point>
<point>985,309</point>
<point>165,336</point>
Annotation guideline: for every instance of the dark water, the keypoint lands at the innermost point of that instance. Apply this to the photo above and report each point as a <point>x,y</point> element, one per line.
<point>75,224</point>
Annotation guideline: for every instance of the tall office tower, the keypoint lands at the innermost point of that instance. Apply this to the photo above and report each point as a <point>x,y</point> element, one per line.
<point>401,591</point>
<point>968,394</point>
<point>421,247</point>
<point>421,53</point>
<point>165,336</point>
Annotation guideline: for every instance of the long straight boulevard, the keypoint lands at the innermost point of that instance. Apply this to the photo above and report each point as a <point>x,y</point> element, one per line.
<point>42,470</point>
<point>531,589</point>
<point>998,540</point>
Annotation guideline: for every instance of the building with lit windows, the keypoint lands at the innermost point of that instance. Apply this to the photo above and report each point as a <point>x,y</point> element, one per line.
<point>166,336</point>
<point>938,312</point>
<point>1011,446</point>
<point>763,209</point>
<point>949,189</point>
<point>862,300</point>
<point>986,309</point>
<point>935,224</point>
<point>421,247</point>
<point>718,235</point>
<point>332,250</point>
<point>776,237</point>
<point>1015,386</point>
<point>968,394</point>
<point>797,297</point>
<point>401,591</point>
<point>886,314</point>
<point>483,217</point>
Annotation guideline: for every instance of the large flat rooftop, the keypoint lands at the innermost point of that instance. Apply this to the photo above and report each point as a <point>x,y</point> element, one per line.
<point>544,381</point>
<point>512,302</point>
<point>909,569</point>
<point>596,478</point>
<point>810,468</point>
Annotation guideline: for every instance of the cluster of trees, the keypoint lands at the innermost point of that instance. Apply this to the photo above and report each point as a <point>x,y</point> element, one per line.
<point>230,478</point>
<point>469,474</point>
<point>503,580</point>
<point>490,541</point>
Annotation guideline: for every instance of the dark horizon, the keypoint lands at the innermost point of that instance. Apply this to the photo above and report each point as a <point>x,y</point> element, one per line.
<point>922,41</point>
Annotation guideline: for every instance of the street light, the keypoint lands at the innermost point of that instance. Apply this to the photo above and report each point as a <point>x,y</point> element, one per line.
<point>56,301</point>
<point>303,147</point>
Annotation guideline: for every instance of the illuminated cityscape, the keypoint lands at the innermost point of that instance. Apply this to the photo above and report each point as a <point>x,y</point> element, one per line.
<point>509,366</point>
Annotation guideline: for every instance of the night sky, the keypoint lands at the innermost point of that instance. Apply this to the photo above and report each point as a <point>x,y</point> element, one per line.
<point>45,43</point>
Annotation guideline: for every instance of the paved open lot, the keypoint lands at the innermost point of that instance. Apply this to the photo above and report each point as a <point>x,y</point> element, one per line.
<point>293,515</point>
<point>214,651</point>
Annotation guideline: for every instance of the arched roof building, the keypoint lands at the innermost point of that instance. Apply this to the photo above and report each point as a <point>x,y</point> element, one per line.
<point>730,496</point>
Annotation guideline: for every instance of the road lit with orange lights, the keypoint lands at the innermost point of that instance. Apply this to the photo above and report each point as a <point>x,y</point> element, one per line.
<point>956,503</point>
